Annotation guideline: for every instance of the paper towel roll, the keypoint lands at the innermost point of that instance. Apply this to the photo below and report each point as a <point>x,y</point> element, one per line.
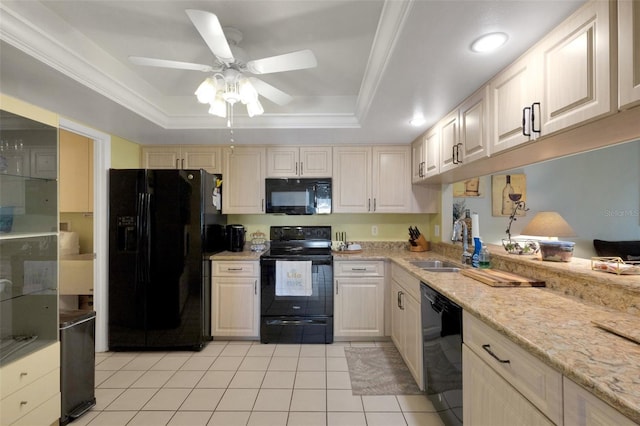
<point>475,225</point>
<point>69,243</point>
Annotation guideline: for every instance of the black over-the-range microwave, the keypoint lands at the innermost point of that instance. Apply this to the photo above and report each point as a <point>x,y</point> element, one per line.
<point>298,196</point>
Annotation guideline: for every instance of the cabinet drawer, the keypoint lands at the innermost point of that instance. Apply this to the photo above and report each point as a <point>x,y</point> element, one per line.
<point>28,369</point>
<point>358,268</point>
<point>539,383</point>
<point>408,282</point>
<point>236,269</point>
<point>47,413</point>
<point>27,399</point>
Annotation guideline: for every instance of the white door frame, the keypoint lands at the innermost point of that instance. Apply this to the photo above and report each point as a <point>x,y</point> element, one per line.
<point>101,165</point>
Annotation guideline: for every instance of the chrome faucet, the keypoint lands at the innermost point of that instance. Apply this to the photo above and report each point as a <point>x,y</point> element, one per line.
<point>461,233</point>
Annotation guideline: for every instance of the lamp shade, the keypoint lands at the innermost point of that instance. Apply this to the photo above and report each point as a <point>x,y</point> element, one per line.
<point>548,224</point>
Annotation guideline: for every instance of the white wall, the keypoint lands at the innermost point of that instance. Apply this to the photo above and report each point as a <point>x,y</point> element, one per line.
<point>597,192</point>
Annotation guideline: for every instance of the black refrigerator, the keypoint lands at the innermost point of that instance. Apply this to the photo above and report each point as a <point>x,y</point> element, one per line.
<point>163,227</point>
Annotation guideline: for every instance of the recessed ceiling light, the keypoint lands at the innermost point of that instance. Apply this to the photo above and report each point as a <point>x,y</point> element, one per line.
<point>489,42</point>
<point>417,121</point>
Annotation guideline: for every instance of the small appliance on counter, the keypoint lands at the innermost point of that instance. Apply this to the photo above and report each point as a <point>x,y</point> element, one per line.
<point>235,237</point>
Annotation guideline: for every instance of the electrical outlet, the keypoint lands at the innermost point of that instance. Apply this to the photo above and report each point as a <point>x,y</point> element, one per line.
<point>436,230</point>
<point>374,230</point>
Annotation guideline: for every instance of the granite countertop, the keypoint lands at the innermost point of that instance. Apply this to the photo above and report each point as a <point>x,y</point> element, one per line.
<point>555,327</point>
<point>552,323</point>
<point>237,255</point>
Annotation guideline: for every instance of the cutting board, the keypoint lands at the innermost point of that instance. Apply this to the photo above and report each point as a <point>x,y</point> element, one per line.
<point>627,328</point>
<point>496,278</point>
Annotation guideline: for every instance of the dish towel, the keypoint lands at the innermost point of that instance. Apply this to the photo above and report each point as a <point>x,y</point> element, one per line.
<point>293,278</point>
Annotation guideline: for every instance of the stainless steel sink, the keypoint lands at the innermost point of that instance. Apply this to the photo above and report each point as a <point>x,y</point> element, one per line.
<point>434,265</point>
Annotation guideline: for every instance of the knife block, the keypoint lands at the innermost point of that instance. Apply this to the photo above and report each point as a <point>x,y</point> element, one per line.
<point>423,245</point>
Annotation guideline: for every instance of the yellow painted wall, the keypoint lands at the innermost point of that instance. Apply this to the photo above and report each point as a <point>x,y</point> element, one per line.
<point>27,110</point>
<point>124,154</point>
<point>391,227</point>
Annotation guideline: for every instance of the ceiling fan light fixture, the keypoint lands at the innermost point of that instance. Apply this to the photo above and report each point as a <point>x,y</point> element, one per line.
<point>489,42</point>
<point>248,93</point>
<point>218,107</point>
<point>206,92</point>
<point>254,108</point>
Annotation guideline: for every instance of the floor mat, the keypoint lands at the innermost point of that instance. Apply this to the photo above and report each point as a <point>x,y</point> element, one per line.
<point>379,371</point>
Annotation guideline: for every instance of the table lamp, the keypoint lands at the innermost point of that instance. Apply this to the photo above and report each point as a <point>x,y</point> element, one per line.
<point>551,225</point>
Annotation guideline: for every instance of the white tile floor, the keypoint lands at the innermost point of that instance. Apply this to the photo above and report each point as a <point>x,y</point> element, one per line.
<point>243,383</point>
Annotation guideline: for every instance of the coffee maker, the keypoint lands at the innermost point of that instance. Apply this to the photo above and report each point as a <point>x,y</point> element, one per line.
<point>235,237</point>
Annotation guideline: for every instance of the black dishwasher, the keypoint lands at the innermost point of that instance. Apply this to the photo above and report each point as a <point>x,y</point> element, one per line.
<point>442,354</point>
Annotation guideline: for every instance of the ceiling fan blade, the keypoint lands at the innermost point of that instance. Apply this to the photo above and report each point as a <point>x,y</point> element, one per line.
<point>275,95</point>
<point>211,31</point>
<point>289,61</point>
<point>164,63</point>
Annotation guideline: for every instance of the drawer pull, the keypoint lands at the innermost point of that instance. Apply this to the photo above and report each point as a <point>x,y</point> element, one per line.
<point>359,269</point>
<point>24,373</point>
<point>234,269</point>
<point>22,403</point>
<point>490,352</point>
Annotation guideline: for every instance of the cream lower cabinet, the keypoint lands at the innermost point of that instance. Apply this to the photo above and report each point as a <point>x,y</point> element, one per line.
<point>30,389</point>
<point>406,322</point>
<point>236,299</point>
<point>488,399</point>
<point>581,408</point>
<point>358,299</point>
<point>243,180</point>
<point>503,384</point>
<point>628,53</point>
<point>208,158</point>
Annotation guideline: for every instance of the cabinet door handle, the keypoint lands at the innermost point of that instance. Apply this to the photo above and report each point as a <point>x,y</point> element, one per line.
<point>255,287</point>
<point>369,205</point>
<point>297,169</point>
<point>177,163</point>
<point>487,348</point>
<point>182,163</point>
<point>374,204</point>
<point>458,146</point>
<point>262,205</point>
<point>301,169</point>
<point>337,291</point>
<point>533,117</point>
<point>453,154</point>
<point>525,114</point>
<point>398,300</point>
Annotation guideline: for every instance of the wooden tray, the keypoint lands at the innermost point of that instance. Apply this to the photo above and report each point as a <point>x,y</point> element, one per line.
<point>496,278</point>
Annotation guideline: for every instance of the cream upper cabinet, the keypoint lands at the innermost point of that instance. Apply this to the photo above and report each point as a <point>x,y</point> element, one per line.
<point>351,192</point>
<point>474,126</point>
<point>243,180</point>
<point>372,180</point>
<point>628,53</point>
<point>432,152</point>
<point>310,161</point>
<point>417,160</point>
<point>511,92</point>
<point>450,154</point>
<point>391,179</point>
<point>182,157</point>
<point>76,173</point>
<point>576,69</point>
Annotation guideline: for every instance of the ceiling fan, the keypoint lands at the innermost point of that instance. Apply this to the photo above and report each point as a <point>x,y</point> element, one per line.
<point>228,83</point>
